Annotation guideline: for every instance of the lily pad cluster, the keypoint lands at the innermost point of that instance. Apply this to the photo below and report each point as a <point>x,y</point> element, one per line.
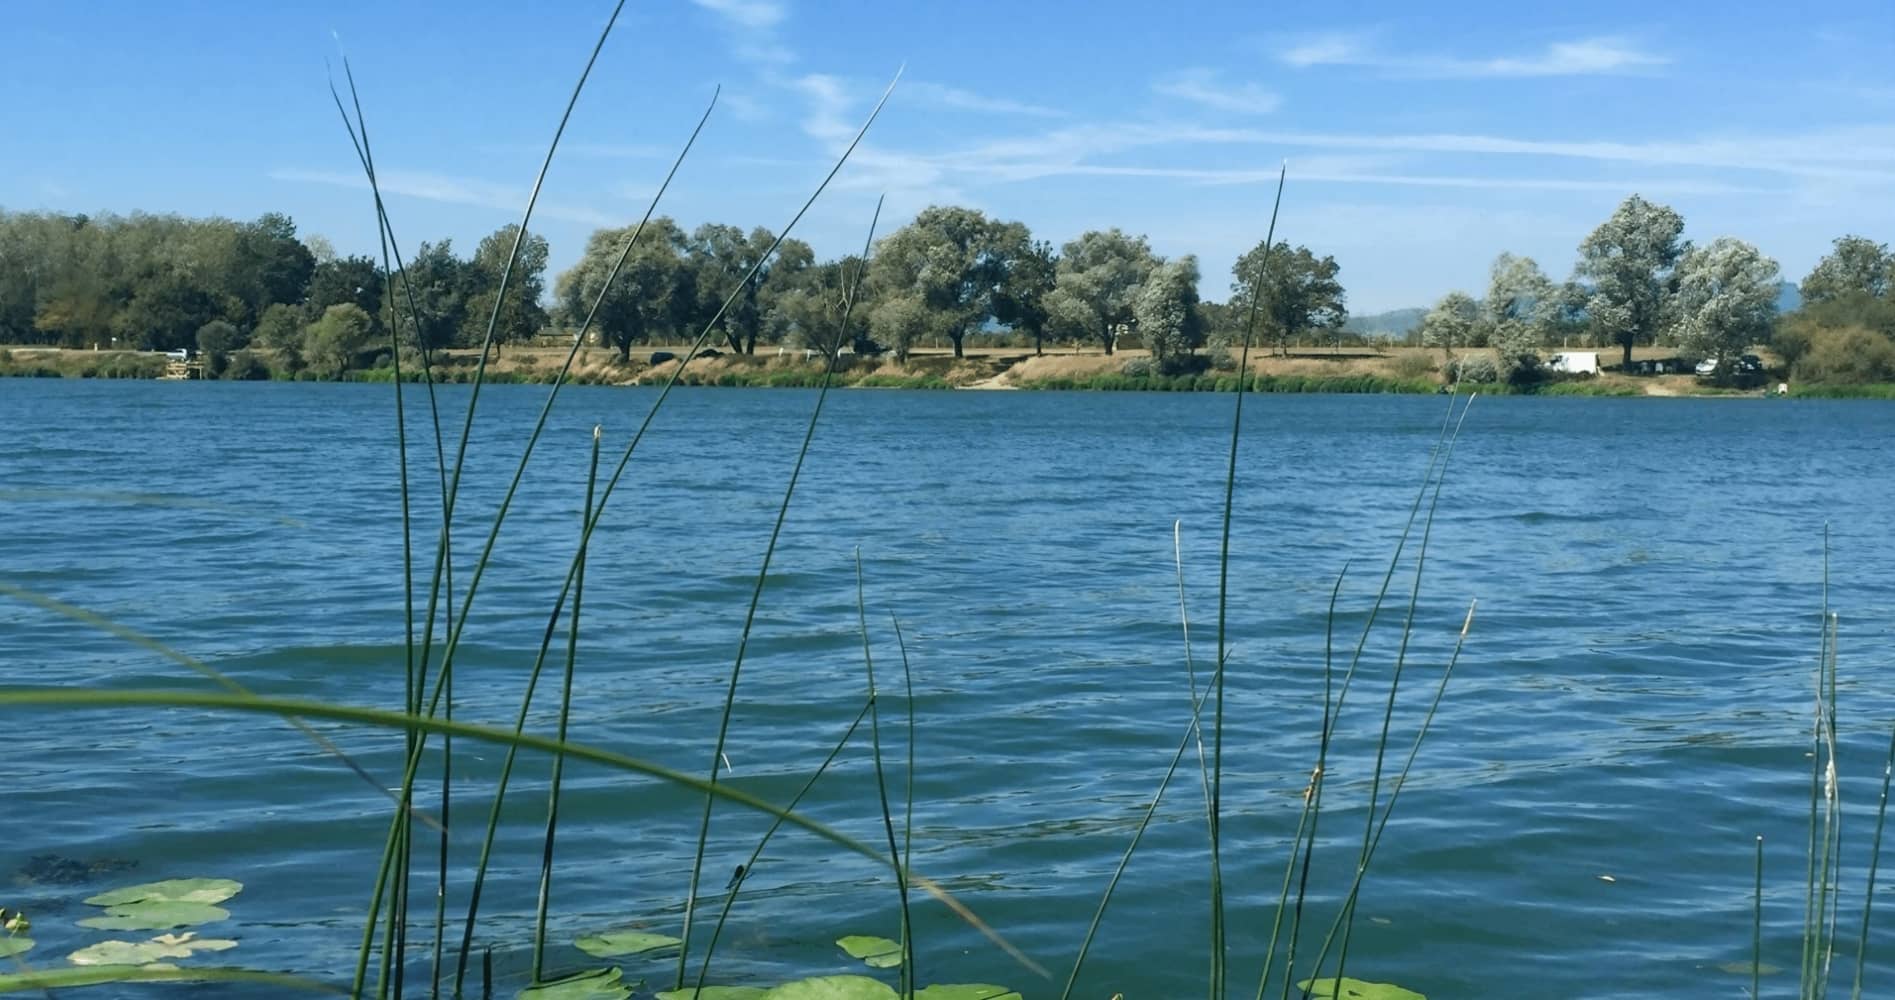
<point>592,984</point>
<point>1355,989</point>
<point>159,906</point>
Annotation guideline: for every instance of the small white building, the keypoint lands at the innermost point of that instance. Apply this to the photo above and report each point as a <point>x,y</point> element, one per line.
<point>1575,362</point>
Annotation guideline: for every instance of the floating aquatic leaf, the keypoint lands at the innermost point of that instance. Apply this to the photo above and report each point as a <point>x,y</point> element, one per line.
<point>11,946</point>
<point>591,984</point>
<point>1356,989</point>
<point>1743,968</point>
<point>155,915</point>
<point>715,993</point>
<point>832,988</point>
<point>177,890</point>
<point>613,944</point>
<point>967,991</point>
<point>876,952</point>
<point>39,981</point>
<point>148,952</point>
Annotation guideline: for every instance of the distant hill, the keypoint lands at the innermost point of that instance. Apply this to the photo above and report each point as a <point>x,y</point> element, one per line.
<point>1394,323</point>
<point>1398,323</point>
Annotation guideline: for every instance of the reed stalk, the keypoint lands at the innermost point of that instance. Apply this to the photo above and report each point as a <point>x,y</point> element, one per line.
<point>1394,684</point>
<point>749,867</point>
<point>1875,860</point>
<point>908,796</point>
<point>881,781</point>
<point>565,714</point>
<point>1223,603</point>
<point>1401,780</point>
<point>1309,816</point>
<point>756,591</point>
<point>1756,929</point>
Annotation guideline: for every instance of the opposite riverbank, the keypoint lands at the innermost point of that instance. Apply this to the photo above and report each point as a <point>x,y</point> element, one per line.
<point>1393,370</point>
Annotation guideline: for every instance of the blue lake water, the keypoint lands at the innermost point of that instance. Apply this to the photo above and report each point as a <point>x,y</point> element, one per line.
<point>1632,709</point>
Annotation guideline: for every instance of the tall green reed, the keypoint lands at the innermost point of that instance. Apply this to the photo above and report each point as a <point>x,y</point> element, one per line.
<point>756,590</point>
<point>565,713</point>
<point>1218,953</point>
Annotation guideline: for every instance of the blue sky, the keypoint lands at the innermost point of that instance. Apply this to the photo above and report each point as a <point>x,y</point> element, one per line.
<point>1421,142</point>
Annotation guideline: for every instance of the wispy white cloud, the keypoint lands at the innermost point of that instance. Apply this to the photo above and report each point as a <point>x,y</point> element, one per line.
<point>754,15</point>
<point>753,25</point>
<point>955,99</point>
<point>448,189</point>
<point>1598,56</point>
<point>1202,86</point>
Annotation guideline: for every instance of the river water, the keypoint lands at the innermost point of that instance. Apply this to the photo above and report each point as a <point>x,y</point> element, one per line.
<point>1632,709</point>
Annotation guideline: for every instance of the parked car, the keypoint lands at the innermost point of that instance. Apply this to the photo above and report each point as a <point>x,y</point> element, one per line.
<point>1707,367</point>
<point>1749,364</point>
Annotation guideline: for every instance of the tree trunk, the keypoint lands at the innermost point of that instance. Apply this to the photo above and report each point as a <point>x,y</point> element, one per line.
<point>1626,342</point>
<point>1106,338</point>
<point>1039,344</point>
<point>957,337</point>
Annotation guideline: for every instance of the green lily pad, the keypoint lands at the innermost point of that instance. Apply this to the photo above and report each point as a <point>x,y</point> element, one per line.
<point>613,944</point>
<point>143,953</point>
<point>156,915</point>
<point>177,890</point>
<point>1356,989</point>
<point>876,952</point>
<point>592,984</point>
<point>967,991</point>
<point>833,988</point>
<point>11,946</point>
<point>715,993</point>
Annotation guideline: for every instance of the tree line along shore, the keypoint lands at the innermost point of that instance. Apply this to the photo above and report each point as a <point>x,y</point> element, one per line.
<point>952,299</point>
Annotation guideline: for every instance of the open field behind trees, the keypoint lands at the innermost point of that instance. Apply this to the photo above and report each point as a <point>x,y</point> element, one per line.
<point>258,301</point>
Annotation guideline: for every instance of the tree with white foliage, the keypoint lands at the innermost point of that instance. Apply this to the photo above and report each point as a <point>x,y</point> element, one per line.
<point>1453,322</point>
<point>1627,263</point>
<point>1167,312</point>
<point>1520,307</point>
<point>1857,266</point>
<point>1726,300</point>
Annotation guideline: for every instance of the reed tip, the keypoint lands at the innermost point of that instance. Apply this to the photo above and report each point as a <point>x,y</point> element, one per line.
<point>598,431</point>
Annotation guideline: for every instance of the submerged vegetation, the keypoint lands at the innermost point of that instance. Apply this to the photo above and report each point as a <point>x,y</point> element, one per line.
<point>1093,285</point>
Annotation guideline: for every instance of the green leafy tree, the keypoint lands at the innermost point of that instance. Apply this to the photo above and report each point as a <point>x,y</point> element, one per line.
<point>1627,264</point>
<point>521,317</point>
<point>165,312</point>
<point>356,280</point>
<point>216,340</point>
<point>899,320</point>
<point>437,284</point>
<point>280,333</point>
<point>1857,266</point>
<point>1300,292</point>
<point>1519,308</point>
<point>1453,322</point>
<point>1167,313</point>
<point>652,296</point>
<point>720,257</point>
<point>333,343</point>
<point>1096,285</point>
<point>812,312</point>
<point>1020,297</point>
<point>949,258</point>
<point>1726,300</point>
<point>270,265</point>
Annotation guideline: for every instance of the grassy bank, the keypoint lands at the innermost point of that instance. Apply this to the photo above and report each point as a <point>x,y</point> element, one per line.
<point>1393,370</point>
